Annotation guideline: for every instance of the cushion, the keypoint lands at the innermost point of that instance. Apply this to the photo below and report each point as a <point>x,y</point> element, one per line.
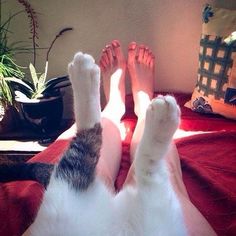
<point>215,90</point>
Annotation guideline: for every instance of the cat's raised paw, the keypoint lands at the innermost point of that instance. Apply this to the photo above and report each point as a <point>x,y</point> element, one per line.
<point>162,118</point>
<point>85,79</point>
<point>84,73</point>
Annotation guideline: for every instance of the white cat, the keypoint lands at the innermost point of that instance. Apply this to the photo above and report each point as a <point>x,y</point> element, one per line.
<point>77,202</point>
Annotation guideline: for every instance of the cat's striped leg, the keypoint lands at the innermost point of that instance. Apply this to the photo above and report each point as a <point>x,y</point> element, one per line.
<point>73,178</point>
<point>78,164</point>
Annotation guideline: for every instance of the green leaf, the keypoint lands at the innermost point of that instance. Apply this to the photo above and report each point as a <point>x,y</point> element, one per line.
<point>19,82</point>
<point>41,81</point>
<point>5,92</point>
<point>41,85</point>
<point>9,68</point>
<point>56,83</point>
<point>34,76</point>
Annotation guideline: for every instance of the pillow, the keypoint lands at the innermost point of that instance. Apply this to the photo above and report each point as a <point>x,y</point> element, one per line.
<point>215,90</point>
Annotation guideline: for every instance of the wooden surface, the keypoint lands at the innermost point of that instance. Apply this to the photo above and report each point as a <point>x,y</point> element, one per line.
<point>25,142</point>
<point>24,132</point>
<point>21,145</point>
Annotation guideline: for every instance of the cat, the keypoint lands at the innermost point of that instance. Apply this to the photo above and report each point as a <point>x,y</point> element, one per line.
<point>77,202</point>
<point>37,171</point>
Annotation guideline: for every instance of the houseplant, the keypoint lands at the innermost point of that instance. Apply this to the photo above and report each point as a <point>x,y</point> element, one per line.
<point>39,99</point>
<point>8,68</point>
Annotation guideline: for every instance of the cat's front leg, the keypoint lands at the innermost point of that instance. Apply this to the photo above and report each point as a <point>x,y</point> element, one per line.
<point>161,208</point>
<point>85,79</point>
<point>77,165</point>
<point>162,120</point>
<point>73,196</point>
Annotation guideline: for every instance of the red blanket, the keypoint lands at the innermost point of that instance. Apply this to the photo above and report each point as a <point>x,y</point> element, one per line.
<point>209,172</point>
<point>208,163</point>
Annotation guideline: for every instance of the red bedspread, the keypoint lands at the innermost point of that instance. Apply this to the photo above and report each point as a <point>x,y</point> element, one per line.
<point>209,171</point>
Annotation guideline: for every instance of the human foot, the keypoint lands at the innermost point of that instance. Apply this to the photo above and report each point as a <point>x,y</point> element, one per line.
<point>113,68</point>
<point>85,79</point>
<point>141,70</point>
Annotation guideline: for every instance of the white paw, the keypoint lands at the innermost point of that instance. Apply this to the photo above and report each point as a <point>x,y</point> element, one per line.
<point>84,74</point>
<point>85,79</point>
<point>162,118</point>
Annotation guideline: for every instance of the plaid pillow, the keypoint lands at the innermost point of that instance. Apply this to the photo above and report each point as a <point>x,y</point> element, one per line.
<point>215,90</point>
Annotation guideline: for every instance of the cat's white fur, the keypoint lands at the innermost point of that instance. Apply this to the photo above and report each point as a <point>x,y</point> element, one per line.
<point>150,208</point>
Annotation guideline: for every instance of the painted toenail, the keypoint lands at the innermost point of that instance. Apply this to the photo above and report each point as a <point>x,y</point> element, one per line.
<point>115,43</point>
<point>132,46</point>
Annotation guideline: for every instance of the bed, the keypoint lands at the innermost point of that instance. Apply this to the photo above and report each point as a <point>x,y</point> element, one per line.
<point>207,148</point>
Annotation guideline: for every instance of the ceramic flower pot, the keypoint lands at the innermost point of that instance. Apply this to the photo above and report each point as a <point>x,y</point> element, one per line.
<point>9,118</point>
<point>44,115</point>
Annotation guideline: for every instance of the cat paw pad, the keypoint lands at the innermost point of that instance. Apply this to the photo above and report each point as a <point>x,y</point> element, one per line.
<point>163,117</point>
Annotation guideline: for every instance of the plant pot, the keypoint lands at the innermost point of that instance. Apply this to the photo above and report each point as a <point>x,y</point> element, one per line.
<point>44,115</point>
<point>9,118</point>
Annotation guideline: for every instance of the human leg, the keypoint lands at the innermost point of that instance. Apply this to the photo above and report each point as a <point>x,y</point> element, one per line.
<point>141,72</point>
<point>195,222</point>
<point>141,69</point>
<point>113,67</point>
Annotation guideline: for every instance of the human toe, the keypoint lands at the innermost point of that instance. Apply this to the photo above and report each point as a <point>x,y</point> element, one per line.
<point>132,51</point>
<point>118,54</point>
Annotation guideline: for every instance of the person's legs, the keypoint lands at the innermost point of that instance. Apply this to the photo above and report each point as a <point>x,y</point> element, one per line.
<point>141,69</point>
<point>195,222</point>
<point>113,66</point>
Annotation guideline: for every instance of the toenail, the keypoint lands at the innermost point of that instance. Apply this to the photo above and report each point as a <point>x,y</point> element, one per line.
<point>132,46</point>
<point>115,43</point>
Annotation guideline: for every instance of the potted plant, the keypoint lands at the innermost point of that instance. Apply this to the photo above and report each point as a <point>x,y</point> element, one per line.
<point>40,100</point>
<point>38,97</point>
<point>8,68</point>
<point>8,114</point>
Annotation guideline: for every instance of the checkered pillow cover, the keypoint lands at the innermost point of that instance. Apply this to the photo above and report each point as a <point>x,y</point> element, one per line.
<point>215,90</point>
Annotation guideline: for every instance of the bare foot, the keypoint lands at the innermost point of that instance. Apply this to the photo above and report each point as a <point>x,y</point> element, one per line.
<point>141,69</point>
<point>113,68</point>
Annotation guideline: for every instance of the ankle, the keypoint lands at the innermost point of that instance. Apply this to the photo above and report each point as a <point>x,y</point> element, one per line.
<point>113,111</point>
<point>141,103</point>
